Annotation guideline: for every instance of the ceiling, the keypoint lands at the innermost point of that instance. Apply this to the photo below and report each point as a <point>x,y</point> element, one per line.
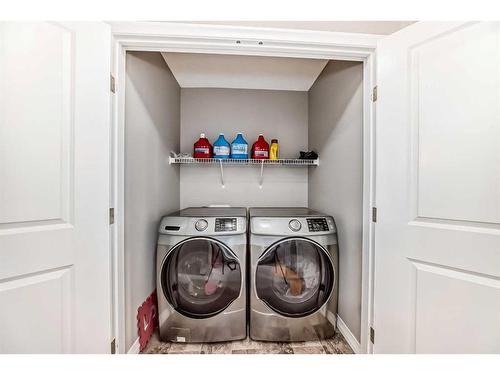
<point>365,27</point>
<point>243,72</point>
<point>265,73</point>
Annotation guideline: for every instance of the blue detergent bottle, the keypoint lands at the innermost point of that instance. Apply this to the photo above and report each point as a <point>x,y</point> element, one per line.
<point>221,148</point>
<point>239,147</point>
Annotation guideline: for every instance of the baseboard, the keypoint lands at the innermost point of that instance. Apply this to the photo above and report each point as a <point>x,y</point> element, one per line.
<point>349,337</point>
<point>135,348</point>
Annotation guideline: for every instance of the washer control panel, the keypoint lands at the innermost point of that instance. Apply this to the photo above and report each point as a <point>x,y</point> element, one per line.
<point>317,225</point>
<point>204,225</point>
<point>225,224</point>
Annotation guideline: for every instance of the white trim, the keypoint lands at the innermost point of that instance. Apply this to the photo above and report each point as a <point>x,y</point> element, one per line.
<point>178,37</point>
<point>169,37</point>
<point>349,337</point>
<point>246,35</point>
<point>118,178</point>
<point>136,347</point>
<point>369,201</point>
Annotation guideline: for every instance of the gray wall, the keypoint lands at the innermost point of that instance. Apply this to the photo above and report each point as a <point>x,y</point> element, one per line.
<point>151,185</point>
<point>276,114</point>
<point>336,186</point>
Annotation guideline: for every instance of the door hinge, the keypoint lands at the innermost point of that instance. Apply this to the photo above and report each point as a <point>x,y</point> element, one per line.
<point>113,346</point>
<point>112,83</point>
<point>374,94</point>
<point>111,215</point>
<point>374,214</point>
<point>372,335</point>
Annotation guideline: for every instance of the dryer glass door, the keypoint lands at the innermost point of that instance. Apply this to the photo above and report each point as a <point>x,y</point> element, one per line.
<point>295,277</point>
<point>201,277</point>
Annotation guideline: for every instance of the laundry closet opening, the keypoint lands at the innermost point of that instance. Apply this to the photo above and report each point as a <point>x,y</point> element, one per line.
<point>307,104</point>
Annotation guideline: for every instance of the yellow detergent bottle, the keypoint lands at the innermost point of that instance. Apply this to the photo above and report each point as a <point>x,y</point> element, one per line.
<point>274,151</point>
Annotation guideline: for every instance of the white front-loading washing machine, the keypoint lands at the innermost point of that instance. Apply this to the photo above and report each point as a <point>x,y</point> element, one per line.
<point>201,268</point>
<point>293,274</point>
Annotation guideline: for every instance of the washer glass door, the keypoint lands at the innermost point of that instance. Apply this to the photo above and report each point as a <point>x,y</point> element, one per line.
<point>200,277</point>
<point>294,277</point>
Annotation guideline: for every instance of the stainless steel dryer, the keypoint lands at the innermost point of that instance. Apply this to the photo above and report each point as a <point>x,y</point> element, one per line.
<point>294,274</point>
<point>201,263</point>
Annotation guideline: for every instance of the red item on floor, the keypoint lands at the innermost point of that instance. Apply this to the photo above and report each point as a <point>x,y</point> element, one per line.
<point>260,149</point>
<point>202,148</point>
<point>147,319</point>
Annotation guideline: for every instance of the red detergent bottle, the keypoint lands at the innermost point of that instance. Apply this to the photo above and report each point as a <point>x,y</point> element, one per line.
<point>260,149</point>
<point>202,148</point>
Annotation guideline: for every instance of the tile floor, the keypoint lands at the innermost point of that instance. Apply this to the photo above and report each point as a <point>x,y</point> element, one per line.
<point>335,345</point>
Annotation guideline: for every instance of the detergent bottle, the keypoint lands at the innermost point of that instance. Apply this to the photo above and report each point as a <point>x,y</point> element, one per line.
<point>260,149</point>
<point>221,148</point>
<point>239,147</point>
<point>274,151</point>
<point>202,148</point>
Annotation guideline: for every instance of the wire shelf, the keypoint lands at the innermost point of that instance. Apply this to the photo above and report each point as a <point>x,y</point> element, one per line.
<point>283,162</point>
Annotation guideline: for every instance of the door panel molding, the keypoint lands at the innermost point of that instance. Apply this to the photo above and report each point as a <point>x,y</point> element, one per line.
<point>37,126</point>
<point>52,291</point>
<point>444,148</point>
<point>457,225</point>
<point>448,327</point>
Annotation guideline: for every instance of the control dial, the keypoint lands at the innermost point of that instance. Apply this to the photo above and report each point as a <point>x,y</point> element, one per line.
<point>201,225</point>
<point>294,225</point>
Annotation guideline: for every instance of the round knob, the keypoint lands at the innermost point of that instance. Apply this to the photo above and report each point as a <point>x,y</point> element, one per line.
<point>201,225</point>
<point>294,225</point>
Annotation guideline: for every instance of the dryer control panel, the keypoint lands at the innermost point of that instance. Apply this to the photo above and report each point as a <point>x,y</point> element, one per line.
<point>296,226</point>
<point>317,225</point>
<point>225,224</point>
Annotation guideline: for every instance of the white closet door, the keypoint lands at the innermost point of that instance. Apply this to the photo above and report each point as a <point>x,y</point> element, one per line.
<point>54,188</point>
<point>437,272</point>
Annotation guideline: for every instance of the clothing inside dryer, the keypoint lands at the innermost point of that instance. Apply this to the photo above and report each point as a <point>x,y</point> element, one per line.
<point>294,277</point>
<point>201,277</point>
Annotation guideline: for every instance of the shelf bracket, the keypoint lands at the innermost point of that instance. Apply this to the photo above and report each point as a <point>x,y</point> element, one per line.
<point>221,174</point>
<point>261,174</point>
